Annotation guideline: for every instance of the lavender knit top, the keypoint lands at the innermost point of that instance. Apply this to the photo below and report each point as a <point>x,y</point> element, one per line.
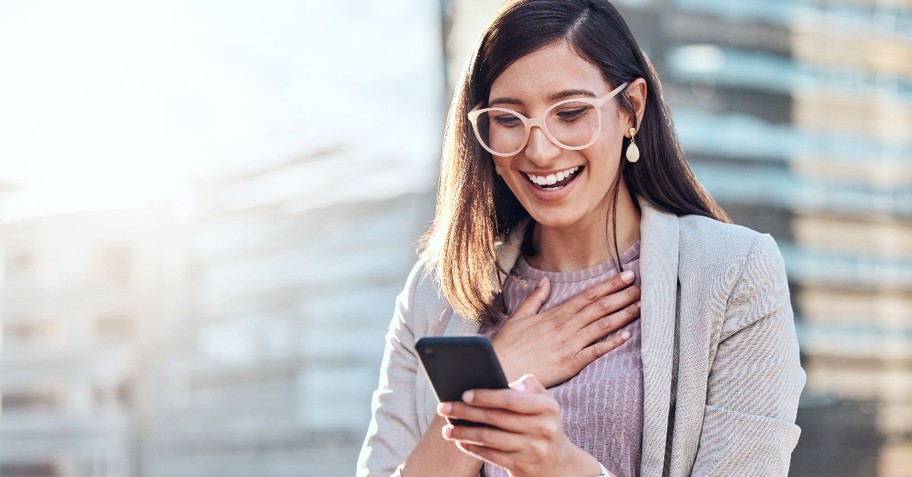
<point>602,406</point>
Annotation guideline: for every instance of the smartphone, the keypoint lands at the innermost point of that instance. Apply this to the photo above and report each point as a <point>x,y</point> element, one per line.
<point>456,364</point>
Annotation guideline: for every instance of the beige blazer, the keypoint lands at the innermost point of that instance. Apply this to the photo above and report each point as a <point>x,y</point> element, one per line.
<point>721,372</point>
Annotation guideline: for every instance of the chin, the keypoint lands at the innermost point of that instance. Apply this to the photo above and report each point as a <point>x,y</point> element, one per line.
<point>556,220</point>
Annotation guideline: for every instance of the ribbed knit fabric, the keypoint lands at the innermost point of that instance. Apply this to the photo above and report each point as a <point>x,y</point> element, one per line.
<point>602,406</point>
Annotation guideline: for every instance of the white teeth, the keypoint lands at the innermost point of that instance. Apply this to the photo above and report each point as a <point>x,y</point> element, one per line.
<point>552,179</point>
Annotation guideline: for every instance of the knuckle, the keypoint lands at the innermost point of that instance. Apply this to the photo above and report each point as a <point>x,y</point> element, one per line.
<point>524,468</point>
<point>606,324</point>
<point>510,400</point>
<point>491,416</point>
<point>604,305</point>
<point>633,292</point>
<point>539,450</point>
<point>551,430</point>
<point>591,294</point>
<point>553,407</point>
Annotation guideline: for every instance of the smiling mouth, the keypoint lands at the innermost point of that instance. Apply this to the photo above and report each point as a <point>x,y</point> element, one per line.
<point>554,181</point>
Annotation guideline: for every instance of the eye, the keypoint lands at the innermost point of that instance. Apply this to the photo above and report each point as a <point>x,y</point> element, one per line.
<point>574,113</point>
<point>507,120</point>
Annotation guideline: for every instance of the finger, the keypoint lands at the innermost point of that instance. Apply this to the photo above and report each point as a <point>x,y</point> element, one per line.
<point>494,456</point>
<point>529,383</point>
<point>601,348</point>
<point>533,303</point>
<point>511,400</point>
<point>606,325</point>
<point>506,420</point>
<point>606,306</point>
<point>599,290</point>
<point>489,437</point>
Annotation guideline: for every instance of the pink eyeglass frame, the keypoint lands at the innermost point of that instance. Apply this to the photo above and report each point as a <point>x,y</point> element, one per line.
<point>540,121</point>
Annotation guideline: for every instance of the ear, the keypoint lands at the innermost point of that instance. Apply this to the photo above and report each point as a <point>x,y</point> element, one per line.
<point>636,92</point>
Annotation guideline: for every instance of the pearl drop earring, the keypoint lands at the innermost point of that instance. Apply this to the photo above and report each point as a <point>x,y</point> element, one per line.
<point>633,152</point>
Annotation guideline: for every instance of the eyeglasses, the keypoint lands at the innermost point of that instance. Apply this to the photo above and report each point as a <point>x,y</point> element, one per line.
<point>572,124</point>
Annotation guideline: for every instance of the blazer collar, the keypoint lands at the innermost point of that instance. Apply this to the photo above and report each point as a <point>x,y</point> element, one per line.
<point>659,242</point>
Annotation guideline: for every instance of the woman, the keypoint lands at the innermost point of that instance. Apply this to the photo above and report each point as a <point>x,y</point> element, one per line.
<point>644,334</point>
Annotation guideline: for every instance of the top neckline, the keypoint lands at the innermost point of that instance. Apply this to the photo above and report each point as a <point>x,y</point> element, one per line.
<point>523,269</point>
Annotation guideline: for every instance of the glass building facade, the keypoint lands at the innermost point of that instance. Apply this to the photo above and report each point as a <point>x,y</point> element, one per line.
<point>796,115</point>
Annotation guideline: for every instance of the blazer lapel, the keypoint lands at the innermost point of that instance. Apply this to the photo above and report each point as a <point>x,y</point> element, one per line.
<point>659,276</point>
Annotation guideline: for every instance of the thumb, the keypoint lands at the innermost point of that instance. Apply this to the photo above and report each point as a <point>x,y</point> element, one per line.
<point>533,303</point>
<point>529,383</point>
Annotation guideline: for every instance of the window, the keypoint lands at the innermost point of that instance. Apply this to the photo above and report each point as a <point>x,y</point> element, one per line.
<point>44,333</point>
<point>31,469</point>
<point>43,398</point>
<point>114,326</point>
<point>115,264</point>
<point>19,264</point>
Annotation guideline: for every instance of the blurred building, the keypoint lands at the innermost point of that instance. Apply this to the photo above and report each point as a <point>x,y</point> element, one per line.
<point>271,371</point>
<point>81,297</point>
<point>797,116</point>
<point>297,255</point>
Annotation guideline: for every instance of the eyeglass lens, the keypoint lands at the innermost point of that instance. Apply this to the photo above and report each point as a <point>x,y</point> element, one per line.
<point>571,124</point>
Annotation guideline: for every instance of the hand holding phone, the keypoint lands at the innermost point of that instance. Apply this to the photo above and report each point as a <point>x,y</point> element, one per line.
<point>456,364</point>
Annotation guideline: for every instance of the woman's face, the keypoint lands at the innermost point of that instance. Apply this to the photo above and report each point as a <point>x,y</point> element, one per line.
<point>529,86</point>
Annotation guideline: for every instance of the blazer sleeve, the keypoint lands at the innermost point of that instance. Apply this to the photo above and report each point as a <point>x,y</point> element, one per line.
<point>756,375</point>
<point>393,431</point>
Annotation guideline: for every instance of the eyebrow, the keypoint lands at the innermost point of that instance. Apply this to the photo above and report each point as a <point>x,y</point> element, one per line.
<point>567,93</point>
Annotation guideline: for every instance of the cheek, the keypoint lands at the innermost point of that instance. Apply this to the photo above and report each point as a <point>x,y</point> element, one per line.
<point>502,169</point>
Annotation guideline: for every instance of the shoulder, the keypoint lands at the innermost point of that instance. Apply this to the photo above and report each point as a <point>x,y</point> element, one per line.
<point>421,287</point>
<point>709,241</point>
<point>421,305</point>
<point>733,269</point>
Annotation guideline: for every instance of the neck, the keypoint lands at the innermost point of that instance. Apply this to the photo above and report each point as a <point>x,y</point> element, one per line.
<point>586,244</point>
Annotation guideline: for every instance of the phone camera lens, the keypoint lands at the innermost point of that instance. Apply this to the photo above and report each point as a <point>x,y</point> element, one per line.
<point>428,352</point>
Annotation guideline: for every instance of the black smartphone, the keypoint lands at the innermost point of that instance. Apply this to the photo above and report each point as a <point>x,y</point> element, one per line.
<point>456,364</point>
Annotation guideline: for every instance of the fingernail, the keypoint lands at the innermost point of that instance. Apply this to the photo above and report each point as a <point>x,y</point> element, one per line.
<point>444,408</point>
<point>627,276</point>
<point>541,282</point>
<point>447,431</point>
<point>625,335</point>
<point>468,396</point>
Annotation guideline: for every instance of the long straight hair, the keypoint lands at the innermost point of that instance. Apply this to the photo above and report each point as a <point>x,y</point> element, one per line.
<point>475,208</point>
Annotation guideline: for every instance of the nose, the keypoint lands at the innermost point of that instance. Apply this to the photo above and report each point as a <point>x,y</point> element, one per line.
<point>540,149</point>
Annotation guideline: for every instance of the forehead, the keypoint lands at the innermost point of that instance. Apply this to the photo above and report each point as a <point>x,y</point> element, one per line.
<point>547,71</point>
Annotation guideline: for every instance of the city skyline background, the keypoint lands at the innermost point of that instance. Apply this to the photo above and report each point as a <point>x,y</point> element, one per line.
<point>207,209</point>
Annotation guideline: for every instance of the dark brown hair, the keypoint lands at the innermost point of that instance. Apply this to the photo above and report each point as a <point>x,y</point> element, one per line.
<point>475,207</point>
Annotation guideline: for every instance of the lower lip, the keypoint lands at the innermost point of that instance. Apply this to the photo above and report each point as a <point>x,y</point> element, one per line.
<point>553,195</point>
